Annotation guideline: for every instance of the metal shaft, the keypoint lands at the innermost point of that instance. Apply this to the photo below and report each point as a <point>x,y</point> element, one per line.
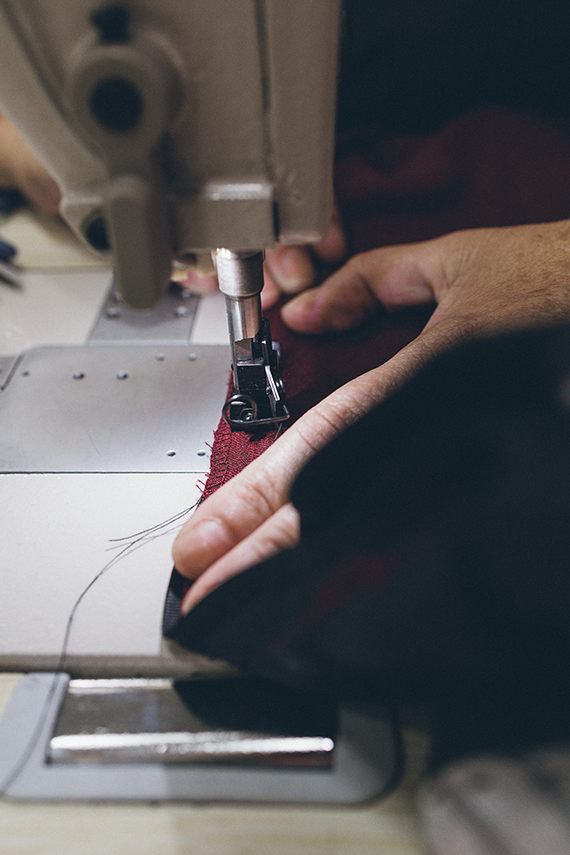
<point>240,278</point>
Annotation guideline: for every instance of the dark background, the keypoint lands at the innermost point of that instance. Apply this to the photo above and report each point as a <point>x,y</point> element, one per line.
<point>410,66</point>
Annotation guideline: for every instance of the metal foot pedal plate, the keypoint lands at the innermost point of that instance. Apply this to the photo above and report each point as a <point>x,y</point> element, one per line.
<point>231,739</point>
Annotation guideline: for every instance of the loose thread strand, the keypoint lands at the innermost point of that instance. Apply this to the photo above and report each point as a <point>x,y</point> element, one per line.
<point>127,545</point>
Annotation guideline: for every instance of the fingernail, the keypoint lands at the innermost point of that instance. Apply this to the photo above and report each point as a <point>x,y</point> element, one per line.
<point>293,269</point>
<point>186,604</point>
<point>303,314</point>
<point>197,546</point>
<point>197,282</point>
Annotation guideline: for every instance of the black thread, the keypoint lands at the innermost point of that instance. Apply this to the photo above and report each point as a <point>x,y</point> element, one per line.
<point>135,541</point>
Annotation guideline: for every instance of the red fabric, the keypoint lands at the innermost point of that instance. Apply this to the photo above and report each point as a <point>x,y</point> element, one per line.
<point>231,452</point>
<point>487,168</point>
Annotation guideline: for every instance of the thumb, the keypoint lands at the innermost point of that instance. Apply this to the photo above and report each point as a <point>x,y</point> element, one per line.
<point>391,277</point>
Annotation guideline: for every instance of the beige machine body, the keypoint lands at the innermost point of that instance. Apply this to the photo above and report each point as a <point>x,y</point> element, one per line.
<point>177,127</point>
<point>188,129</point>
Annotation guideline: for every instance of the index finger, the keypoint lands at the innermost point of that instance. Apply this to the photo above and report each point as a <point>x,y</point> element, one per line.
<point>243,504</point>
<point>392,277</point>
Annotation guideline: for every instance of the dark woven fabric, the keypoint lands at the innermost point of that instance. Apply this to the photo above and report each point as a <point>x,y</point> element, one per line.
<point>434,543</point>
<point>487,168</point>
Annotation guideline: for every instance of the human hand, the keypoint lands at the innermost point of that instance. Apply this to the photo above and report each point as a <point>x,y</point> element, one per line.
<point>290,269</point>
<point>482,281</point>
<point>21,169</point>
<point>287,269</point>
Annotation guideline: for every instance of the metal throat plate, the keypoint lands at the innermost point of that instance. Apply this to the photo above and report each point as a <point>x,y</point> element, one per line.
<point>113,408</point>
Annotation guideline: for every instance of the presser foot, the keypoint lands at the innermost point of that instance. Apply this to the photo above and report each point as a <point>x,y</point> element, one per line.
<point>258,396</point>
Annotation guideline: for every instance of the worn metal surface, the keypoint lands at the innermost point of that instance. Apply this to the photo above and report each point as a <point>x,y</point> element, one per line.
<point>365,761</point>
<point>169,322</point>
<point>112,409</point>
<point>154,721</point>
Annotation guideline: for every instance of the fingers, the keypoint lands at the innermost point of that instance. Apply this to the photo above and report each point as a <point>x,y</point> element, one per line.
<point>287,270</point>
<point>290,269</point>
<point>37,185</point>
<point>20,168</point>
<point>332,248</point>
<point>481,281</point>
<point>245,503</point>
<point>271,293</point>
<point>394,278</point>
<point>250,519</point>
<point>238,508</point>
<point>199,283</point>
<point>281,531</point>
<point>221,542</point>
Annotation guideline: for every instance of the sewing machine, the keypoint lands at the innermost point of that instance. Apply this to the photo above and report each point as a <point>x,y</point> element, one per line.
<point>202,132</point>
<point>185,131</point>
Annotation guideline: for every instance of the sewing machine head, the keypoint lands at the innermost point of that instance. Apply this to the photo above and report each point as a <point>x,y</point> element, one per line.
<point>176,129</point>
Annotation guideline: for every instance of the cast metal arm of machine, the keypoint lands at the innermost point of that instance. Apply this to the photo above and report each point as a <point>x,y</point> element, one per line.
<point>177,128</point>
